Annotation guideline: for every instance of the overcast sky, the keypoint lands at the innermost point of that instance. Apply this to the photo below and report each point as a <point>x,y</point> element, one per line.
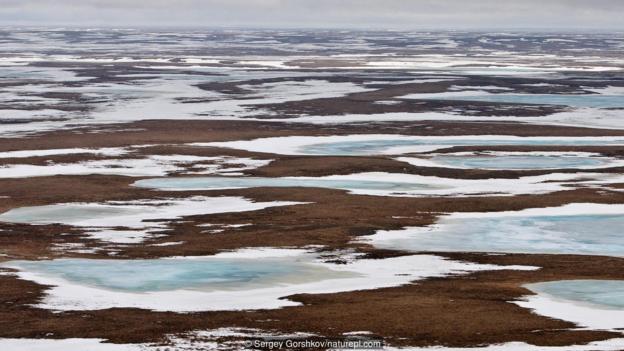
<point>378,14</point>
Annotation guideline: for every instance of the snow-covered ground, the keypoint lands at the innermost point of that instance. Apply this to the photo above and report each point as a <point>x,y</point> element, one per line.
<point>605,345</point>
<point>586,316</point>
<point>49,87</point>
<point>176,97</point>
<point>147,166</point>
<point>74,344</point>
<point>110,151</point>
<point>204,340</point>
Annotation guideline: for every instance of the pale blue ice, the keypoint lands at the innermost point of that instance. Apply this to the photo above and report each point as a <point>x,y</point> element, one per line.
<point>517,162</point>
<point>186,183</point>
<point>573,234</point>
<point>572,100</point>
<point>380,146</point>
<point>165,274</point>
<point>605,293</point>
<point>65,213</point>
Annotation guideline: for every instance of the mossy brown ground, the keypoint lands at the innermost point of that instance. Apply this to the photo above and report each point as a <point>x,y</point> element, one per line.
<point>464,310</point>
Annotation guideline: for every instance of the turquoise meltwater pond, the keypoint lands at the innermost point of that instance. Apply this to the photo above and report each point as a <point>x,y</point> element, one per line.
<point>604,293</point>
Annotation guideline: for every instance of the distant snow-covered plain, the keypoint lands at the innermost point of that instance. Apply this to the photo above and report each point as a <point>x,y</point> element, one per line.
<point>149,83</point>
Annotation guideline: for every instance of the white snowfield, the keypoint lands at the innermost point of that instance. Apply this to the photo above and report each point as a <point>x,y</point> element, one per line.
<point>605,345</point>
<point>207,340</point>
<point>110,151</point>
<point>587,316</point>
<point>149,166</point>
<point>74,344</point>
<point>356,275</point>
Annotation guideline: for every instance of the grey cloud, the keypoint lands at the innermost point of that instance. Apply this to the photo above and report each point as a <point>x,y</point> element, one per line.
<point>399,14</point>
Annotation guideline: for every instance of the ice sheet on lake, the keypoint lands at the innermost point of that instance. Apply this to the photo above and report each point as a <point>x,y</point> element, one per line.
<point>573,100</point>
<point>360,274</point>
<point>577,228</point>
<point>514,160</point>
<point>393,144</point>
<point>389,184</point>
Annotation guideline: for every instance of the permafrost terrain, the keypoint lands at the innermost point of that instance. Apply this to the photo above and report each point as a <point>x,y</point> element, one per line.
<point>193,190</point>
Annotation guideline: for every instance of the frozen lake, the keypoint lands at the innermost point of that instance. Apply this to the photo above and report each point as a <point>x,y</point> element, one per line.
<point>210,273</point>
<point>210,183</point>
<point>538,231</point>
<point>572,100</point>
<point>603,293</point>
<point>521,161</point>
<point>382,144</point>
